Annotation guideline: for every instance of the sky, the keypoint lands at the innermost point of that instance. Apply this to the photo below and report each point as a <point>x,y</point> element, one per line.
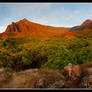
<point>53,14</point>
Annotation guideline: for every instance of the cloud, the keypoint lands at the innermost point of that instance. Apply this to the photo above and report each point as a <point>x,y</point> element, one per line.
<point>41,20</point>
<point>45,21</point>
<point>34,11</point>
<point>2,29</point>
<point>27,9</point>
<point>46,13</point>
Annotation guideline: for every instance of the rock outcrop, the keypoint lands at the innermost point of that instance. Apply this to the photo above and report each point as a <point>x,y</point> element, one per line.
<point>72,72</point>
<point>86,82</point>
<point>72,76</point>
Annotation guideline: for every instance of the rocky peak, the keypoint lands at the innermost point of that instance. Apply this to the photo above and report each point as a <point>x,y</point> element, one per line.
<point>24,20</point>
<point>25,27</point>
<point>13,22</point>
<point>86,22</point>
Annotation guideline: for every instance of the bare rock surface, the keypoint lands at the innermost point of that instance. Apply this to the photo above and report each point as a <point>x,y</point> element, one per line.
<point>72,76</point>
<point>86,82</point>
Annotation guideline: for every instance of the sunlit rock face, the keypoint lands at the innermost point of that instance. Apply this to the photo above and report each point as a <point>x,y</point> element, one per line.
<point>26,28</point>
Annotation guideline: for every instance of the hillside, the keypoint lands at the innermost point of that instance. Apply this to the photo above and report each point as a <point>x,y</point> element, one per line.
<point>25,28</point>
<point>87,24</point>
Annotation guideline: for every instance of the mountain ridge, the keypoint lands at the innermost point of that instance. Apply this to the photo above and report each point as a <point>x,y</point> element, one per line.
<point>26,28</point>
<point>85,25</point>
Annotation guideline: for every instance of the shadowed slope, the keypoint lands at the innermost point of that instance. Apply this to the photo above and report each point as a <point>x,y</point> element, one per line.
<point>85,25</point>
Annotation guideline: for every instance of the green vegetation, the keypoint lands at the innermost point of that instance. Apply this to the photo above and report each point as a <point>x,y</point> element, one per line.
<point>21,53</point>
<point>12,34</point>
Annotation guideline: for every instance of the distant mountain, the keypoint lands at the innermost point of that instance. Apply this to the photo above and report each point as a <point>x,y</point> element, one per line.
<point>86,22</point>
<point>85,25</point>
<point>25,28</point>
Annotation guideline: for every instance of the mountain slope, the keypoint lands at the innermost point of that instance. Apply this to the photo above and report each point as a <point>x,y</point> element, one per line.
<point>85,25</point>
<point>25,28</point>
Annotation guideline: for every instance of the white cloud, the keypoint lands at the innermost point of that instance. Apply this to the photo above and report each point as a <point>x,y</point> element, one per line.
<point>27,9</point>
<point>69,17</point>
<point>42,20</point>
<point>2,29</point>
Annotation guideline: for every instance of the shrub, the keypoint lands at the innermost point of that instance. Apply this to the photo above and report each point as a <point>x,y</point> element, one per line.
<point>8,69</point>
